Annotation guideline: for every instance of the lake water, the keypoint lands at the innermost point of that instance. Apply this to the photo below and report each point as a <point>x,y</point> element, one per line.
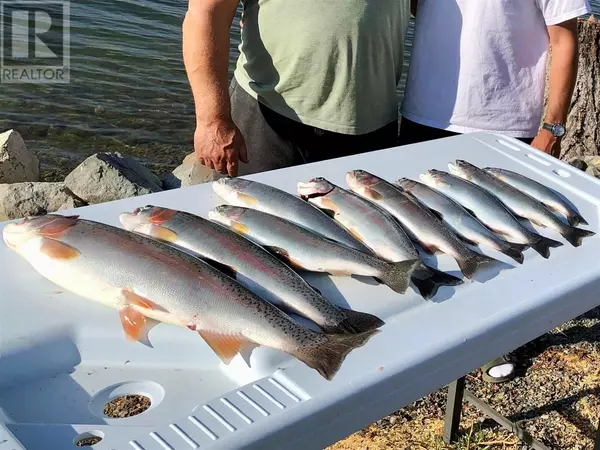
<point>128,90</point>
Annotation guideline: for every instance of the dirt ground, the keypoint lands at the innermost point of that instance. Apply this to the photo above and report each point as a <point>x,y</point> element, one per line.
<point>555,397</point>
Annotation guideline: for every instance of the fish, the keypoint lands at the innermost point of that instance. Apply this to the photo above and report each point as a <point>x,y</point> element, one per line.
<point>149,282</point>
<point>520,203</point>
<point>218,243</point>
<point>306,250</point>
<point>459,220</point>
<point>374,227</point>
<point>266,198</point>
<point>542,193</point>
<point>488,209</point>
<point>418,221</point>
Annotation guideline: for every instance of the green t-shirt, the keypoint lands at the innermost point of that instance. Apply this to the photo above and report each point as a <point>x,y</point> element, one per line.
<point>331,64</point>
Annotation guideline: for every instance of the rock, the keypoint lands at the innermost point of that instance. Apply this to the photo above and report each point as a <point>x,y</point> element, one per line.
<point>593,161</point>
<point>578,163</point>
<point>17,164</point>
<point>105,177</point>
<point>189,173</point>
<point>32,199</point>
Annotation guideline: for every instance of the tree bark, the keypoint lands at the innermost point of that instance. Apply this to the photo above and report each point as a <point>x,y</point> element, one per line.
<point>583,123</point>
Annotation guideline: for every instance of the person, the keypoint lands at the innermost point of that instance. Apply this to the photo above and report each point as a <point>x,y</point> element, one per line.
<point>480,65</point>
<point>314,80</point>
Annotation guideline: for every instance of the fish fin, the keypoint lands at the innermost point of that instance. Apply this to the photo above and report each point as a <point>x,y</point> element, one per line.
<point>278,251</point>
<point>578,219</point>
<point>327,357</point>
<point>131,298</point>
<point>576,235</point>
<point>397,276</point>
<point>58,250</point>
<point>57,226</point>
<point>513,251</point>
<point>325,203</point>
<point>371,194</point>
<point>247,199</point>
<point>355,322</point>
<point>428,248</point>
<point>162,215</point>
<point>226,346</point>
<point>544,244</point>
<point>437,214</point>
<point>162,233</point>
<point>428,280</point>
<point>227,270</point>
<point>240,228</point>
<point>136,325</point>
<point>469,266</point>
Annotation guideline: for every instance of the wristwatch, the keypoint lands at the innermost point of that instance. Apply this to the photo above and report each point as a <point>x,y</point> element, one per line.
<point>557,129</point>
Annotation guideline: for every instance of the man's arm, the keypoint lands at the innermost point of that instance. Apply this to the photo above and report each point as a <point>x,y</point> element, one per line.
<point>218,144</point>
<point>562,79</point>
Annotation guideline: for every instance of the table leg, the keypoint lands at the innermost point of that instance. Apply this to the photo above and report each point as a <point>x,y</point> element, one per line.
<point>456,391</point>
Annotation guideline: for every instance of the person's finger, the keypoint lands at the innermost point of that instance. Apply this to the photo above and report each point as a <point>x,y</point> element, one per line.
<point>221,166</point>
<point>233,167</point>
<point>243,152</point>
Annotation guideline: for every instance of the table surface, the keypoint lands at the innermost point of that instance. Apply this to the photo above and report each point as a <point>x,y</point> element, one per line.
<point>62,358</point>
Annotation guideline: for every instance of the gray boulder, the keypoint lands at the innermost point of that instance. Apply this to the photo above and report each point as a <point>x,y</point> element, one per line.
<point>189,173</point>
<point>105,177</point>
<point>17,164</point>
<point>33,199</point>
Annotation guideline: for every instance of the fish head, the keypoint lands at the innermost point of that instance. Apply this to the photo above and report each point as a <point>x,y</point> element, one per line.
<point>227,214</point>
<point>433,178</point>
<point>406,183</point>
<point>231,190</point>
<point>18,235</point>
<point>315,187</point>
<point>462,168</point>
<point>361,178</point>
<point>143,219</point>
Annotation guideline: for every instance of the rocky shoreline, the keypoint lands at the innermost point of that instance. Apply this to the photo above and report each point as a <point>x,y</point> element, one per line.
<point>106,176</point>
<point>102,177</point>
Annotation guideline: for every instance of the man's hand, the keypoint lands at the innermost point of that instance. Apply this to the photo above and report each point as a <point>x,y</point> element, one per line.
<point>220,146</point>
<point>547,142</point>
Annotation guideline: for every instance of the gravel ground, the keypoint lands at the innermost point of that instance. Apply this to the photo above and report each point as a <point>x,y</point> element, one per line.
<point>555,397</point>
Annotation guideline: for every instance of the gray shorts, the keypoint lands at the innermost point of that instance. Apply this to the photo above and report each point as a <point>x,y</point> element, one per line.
<point>274,141</point>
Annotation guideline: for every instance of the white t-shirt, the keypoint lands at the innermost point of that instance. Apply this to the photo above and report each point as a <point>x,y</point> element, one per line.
<point>480,65</point>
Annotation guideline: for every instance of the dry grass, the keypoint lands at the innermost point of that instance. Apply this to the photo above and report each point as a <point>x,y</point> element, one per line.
<point>555,397</point>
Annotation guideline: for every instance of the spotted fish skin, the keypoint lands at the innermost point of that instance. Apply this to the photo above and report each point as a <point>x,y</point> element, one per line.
<point>265,198</point>
<point>488,209</point>
<point>522,204</point>
<point>145,279</point>
<point>419,222</point>
<point>376,228</point>
<point>303,249</point>
<point>539,192</point>
<point>218,243</point>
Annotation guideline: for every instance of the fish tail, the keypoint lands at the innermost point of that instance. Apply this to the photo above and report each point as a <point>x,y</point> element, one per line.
<point>470,265</point>
<point>428,280</point>
<point>576,235</point>
<point>355,322</point>
<point>514,251</point>
<point>397,276</point>
<point>327,357</point>
<point>578,220</point>
<point>544,244</point>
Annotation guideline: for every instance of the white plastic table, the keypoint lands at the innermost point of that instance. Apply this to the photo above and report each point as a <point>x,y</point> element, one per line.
<point>62,358</point>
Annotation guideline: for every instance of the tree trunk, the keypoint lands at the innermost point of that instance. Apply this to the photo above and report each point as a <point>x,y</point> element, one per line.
<point>583,123</point>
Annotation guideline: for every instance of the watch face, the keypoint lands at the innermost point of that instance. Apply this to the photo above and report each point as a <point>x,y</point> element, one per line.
<point>558,130</point>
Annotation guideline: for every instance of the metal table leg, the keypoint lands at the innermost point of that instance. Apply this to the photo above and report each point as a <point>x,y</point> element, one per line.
<point>456,391</point>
